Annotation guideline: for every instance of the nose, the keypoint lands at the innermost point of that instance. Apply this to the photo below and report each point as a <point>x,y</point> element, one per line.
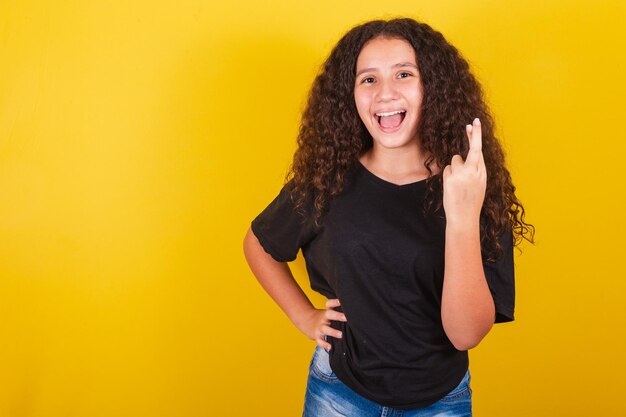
<point>386,91</point>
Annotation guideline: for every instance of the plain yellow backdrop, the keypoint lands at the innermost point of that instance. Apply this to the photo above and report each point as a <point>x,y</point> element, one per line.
<point>138,139</point>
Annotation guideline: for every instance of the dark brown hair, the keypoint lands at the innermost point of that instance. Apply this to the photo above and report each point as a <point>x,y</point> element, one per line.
<point>332,135</point>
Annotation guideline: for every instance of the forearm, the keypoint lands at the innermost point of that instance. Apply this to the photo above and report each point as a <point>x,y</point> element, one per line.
<point>277,280</point>
<point>467,308</point>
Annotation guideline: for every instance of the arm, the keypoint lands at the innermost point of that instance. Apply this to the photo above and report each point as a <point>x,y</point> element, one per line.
<point>277,280</point>
<point>467,307</point>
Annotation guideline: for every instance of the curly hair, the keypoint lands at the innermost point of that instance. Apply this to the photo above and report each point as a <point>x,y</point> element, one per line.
<point>332,135</point>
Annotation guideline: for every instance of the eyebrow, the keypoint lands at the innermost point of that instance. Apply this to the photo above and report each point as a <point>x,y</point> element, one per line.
<point>399,65</point>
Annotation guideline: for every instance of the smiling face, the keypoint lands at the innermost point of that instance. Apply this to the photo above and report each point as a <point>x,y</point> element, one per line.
<point>388,92</point>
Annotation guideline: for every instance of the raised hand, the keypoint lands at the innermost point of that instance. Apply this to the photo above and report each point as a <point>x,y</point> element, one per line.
<point>465,182</point>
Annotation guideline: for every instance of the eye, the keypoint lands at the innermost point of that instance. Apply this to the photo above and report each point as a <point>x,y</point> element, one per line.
<point>367,80</point>
<point>405,75</point>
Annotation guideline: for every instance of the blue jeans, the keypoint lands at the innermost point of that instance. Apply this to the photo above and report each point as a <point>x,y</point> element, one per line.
<point>327,396</point>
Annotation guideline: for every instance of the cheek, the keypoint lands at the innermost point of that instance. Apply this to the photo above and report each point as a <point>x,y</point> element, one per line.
<point>414,94</point>
<point>419,96</point>
<point>362,105</point>
<point>416,103</point>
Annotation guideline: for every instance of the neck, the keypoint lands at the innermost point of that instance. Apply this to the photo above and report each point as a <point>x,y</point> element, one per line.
<point>395,161</point>
<point>396,164</point>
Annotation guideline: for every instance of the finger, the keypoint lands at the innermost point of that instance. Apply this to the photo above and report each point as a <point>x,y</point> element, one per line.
<point>477,135</point>
<point>329,331</point>
<point>475,142</point>
<point>323,343</point>
<point>457,161</point>
<point>332,303</point>
<point>335,315</point>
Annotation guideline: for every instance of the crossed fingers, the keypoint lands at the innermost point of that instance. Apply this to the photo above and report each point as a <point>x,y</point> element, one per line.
<point>474,135</point>
<point>475,155</point>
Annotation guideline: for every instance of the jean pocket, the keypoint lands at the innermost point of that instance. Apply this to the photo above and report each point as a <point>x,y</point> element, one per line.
<point>463,391</point>
<point>320,365</point>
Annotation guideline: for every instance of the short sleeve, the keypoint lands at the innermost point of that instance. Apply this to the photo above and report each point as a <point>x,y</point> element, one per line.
<point>501,279</point>
<point>282,230</point>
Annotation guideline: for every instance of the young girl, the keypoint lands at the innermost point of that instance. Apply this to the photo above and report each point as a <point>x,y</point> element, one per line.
<point>406,216</point>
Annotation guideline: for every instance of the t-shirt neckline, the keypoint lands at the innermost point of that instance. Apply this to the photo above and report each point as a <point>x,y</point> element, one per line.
<point>369,174</point>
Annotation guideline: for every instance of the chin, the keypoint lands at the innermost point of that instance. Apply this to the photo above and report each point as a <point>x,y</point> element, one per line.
<point>393,143</point>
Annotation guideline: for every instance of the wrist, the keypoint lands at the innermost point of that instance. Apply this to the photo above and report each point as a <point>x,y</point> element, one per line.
<point>302,319</point>
<point>463,224</point>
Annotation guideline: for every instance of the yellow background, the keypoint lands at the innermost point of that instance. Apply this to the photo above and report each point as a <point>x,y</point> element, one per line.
<point>139,139</point>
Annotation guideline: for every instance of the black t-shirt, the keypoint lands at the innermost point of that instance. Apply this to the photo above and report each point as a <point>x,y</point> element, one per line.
<point>383,258</point>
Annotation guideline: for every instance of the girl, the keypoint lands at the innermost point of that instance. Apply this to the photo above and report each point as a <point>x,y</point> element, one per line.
<point>407,222</point>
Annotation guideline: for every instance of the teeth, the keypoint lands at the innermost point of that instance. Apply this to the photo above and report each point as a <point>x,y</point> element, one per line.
<point>390,113</point>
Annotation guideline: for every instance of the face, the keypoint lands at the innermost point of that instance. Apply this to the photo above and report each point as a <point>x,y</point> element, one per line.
<point>388,92</point>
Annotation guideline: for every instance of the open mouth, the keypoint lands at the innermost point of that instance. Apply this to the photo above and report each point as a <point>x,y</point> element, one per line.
<point>390,120</point>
